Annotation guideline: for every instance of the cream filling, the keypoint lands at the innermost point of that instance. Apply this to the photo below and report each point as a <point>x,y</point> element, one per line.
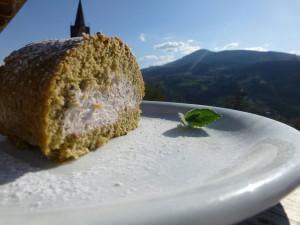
<point>96,109</point>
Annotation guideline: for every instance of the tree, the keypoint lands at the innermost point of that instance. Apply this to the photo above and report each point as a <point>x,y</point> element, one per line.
<point>154,93</point>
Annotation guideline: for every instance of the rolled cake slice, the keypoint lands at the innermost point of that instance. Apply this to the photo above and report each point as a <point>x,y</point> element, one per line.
<point>70,96</point>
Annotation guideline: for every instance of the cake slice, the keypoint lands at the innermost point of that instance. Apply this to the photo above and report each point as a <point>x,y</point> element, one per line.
<point>70,96</point>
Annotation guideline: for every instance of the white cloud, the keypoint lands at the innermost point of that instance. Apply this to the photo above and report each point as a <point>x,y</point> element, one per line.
<point>189,49</point>
<point>163,59</point>
<point>230,46</point>
<point>268,44</point>
<point>235,44</point>
<point>259,48</point>
<point>181,47</point>
<point>168,37</point>
<point>173,50</point>
<point>142,37</point>
<point>168,46</point>
<point>226,47</point>
<point>160,60</point>
<point>148,57</point>
<point>293,52</point>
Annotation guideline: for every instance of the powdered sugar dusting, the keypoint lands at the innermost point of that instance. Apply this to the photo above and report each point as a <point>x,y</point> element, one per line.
<point>38,51</point>
<point>157,174</point>
<point>158,160</point>
<point>128,168</point>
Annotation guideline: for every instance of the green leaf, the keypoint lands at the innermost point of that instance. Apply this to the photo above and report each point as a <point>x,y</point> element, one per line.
<point>199,117</point>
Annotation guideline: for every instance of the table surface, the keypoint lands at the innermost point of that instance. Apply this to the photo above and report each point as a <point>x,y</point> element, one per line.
<point>286,212</point>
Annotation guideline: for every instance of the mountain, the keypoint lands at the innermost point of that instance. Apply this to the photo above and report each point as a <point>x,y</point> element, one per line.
<point>265,83</point>
<point>205,59</point>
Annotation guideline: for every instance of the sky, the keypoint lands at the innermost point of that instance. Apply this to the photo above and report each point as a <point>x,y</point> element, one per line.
<point>161,31</point>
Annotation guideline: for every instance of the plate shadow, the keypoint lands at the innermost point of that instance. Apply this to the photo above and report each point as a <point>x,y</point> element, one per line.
<point>14,163</point>
<point>180,131</point>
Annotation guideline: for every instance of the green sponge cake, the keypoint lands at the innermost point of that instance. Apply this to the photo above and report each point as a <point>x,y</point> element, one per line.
<point>70,96</point>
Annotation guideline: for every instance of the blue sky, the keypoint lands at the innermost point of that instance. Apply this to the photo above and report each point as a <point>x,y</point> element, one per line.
<point>160,31</point>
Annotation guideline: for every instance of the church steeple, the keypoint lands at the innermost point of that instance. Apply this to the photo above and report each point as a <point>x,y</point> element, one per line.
<point>79,27</point>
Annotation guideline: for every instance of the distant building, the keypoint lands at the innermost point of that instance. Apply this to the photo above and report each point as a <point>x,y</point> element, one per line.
<point>79,27</point>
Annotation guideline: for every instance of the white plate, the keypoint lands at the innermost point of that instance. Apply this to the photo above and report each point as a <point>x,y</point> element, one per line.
<point>157,174</point>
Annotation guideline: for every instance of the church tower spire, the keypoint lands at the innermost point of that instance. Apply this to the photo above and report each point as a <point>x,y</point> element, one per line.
<point>79,27</point>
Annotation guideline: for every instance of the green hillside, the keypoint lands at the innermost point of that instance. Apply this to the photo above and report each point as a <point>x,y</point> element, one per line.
<point>265,83</point>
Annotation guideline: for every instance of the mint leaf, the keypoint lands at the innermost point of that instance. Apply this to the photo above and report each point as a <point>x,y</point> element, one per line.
<point>198,117</point>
